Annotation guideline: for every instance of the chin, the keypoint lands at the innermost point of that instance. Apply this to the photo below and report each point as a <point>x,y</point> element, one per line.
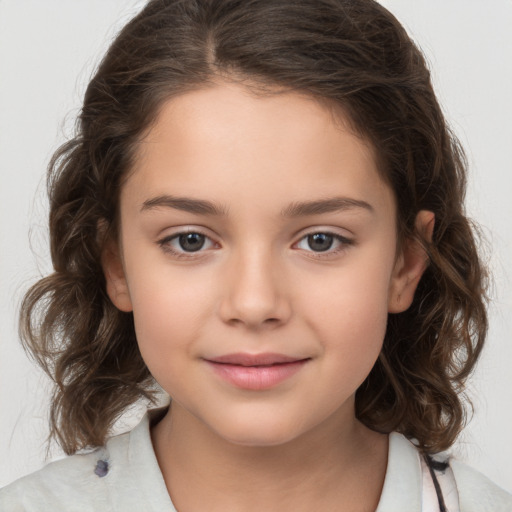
<point>259,434</point>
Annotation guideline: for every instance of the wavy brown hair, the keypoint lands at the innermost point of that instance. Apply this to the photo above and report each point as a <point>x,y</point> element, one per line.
<point>349,53</point>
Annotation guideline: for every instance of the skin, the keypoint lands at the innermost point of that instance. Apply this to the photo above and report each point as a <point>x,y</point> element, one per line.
<point>256,286</point>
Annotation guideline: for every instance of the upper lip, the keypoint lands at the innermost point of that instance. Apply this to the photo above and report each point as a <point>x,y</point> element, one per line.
<point>244,359</point>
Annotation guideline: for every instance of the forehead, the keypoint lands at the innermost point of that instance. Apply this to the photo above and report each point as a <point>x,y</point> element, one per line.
<point>227,144</point>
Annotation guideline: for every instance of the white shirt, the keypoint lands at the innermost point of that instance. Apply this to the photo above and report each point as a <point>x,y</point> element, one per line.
<point>124,476</point>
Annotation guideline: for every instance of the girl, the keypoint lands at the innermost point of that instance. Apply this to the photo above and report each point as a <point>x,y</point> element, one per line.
<point>262,213</point>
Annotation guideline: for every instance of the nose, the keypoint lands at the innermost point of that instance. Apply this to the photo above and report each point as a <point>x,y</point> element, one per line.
<point>255,293</point>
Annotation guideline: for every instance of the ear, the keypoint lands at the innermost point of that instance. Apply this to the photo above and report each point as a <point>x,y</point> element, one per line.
<point>410,265</point>
<point>113,269</point>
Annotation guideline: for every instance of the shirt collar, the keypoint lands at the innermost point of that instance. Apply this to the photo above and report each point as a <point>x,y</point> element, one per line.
<point>403,482</point>
<point>402,490</point>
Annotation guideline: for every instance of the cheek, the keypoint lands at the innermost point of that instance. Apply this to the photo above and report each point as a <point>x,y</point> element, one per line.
<point>168,308</point>
<point>349,312</point>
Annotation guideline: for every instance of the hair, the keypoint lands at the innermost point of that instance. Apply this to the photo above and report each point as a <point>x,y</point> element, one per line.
<point>350,53</point>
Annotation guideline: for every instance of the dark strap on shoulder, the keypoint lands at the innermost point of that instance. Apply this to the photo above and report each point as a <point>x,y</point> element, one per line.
<point>433,466</point>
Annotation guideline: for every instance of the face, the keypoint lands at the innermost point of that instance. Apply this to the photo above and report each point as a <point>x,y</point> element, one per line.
<point>257,252</point>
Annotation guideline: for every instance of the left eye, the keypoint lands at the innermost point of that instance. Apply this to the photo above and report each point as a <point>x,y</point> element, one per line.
<point>322,242</point>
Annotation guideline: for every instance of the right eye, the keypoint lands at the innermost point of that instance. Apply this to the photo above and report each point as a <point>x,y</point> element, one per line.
<point>189,242</point>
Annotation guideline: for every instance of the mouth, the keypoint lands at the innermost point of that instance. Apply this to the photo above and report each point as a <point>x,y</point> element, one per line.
<point>256,371</point>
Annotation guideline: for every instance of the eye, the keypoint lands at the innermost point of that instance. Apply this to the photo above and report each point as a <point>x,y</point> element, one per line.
<point>324,242</point>
<point>189,242</point>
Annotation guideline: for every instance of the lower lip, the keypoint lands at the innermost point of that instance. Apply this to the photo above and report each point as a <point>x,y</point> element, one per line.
<point>256,377</point>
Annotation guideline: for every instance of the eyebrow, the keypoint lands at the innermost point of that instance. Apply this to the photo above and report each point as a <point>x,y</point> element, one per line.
<point>186,204</point>
<point>296,209</point>
<point>330,205</point>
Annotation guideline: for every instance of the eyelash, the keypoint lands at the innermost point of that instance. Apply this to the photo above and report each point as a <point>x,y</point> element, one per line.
<point>164,243</point>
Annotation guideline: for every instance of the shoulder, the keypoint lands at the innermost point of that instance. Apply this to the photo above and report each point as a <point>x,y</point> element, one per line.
<point>123,475</point>
<point>75,483</point>
<point>477,493</point>
<point>411,481</point>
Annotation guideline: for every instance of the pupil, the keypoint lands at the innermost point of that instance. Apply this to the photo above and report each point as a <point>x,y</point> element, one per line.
<point>320,241</point>
<point>191,241</point>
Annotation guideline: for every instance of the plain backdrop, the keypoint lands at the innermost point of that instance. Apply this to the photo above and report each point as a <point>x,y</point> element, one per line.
<point>48,50</point>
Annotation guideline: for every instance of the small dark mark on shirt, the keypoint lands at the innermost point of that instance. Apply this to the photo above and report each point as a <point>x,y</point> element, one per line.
<point>101,468</point>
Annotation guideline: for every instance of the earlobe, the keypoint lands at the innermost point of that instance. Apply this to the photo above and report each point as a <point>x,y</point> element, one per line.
<point>410,265</point>
<point>117,286</point>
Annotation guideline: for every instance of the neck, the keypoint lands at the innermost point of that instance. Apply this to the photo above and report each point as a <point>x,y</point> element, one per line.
<point>338,465</point>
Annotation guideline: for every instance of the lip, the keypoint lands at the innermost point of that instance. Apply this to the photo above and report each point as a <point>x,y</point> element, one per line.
<point>256,371</point>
